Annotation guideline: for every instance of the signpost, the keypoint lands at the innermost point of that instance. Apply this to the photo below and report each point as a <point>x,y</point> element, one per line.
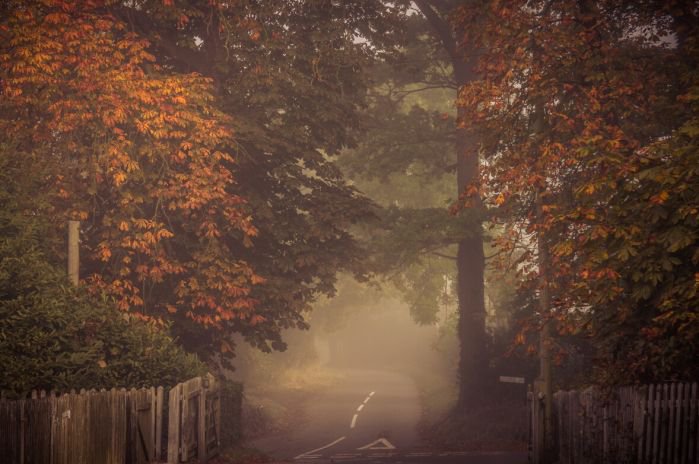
<point>507,379</point>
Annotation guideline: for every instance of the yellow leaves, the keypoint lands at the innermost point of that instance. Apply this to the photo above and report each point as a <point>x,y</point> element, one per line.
<point>210,230</point>
<point>143,223</point>
<point>660,198</point>
<point>12,92</point>
<point>257,319</point>
<point>564,248</point>
<point>500,199</point>
<point>119,178</point>
<point>131,165</point>
<point>254,34</point>
<point>149,238</point>
<point>226,347</point>
<point>102,363</point>
<point>256,279</point>
<point>123,226</point>
<point>104,253</point>
<point>164,233</point>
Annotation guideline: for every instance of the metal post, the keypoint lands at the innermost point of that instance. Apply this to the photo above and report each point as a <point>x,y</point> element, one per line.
<point>74,252</point>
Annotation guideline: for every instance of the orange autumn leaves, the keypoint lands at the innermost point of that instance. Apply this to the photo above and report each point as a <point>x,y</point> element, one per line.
<point>589,148</point>
<point>140,155</point>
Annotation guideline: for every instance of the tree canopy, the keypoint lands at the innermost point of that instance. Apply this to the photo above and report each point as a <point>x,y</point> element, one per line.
<point>587,118</point>
<point>196,144</point>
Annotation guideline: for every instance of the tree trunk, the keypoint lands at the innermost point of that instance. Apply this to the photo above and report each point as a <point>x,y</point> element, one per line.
<point>473,360</point>
<point>470,260</point>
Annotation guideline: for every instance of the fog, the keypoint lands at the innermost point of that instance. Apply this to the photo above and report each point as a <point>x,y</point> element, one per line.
<point>385,338</point>
<point>361,328</point>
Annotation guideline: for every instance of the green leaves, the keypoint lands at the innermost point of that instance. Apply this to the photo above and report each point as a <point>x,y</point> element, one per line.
<point>54,336</point>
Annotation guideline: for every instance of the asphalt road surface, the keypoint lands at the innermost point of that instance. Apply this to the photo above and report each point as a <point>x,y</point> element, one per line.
<point>369,417</point>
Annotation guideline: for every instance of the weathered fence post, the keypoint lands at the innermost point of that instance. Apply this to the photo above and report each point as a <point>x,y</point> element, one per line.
<point>173,431</point>
<point>158,423</point>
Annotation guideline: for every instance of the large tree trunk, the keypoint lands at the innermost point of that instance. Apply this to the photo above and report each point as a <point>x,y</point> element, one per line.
<point>473,352</point>
<point>473,360</point>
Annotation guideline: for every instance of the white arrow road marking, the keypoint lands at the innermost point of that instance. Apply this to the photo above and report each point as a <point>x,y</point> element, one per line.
<point>380,444</point>
<point>308,453</point>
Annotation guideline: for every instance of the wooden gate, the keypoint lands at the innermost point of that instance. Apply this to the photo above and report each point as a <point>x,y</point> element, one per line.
<point>194,424</point>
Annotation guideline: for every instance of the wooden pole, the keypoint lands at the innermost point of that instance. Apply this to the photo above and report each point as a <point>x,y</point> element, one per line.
<point>545,339</point>
<point>74,252</point>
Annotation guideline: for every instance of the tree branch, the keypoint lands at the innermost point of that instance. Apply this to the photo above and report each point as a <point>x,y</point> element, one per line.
<point>185,57</point>
<point>441,27</point>
<point>443,255</point>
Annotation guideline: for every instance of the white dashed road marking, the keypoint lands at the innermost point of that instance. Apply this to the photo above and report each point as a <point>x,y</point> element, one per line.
<point>380,444</point>
<point>353,424</point>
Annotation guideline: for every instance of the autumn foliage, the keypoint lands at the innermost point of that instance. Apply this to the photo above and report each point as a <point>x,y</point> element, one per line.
<point>138,153</point>
<point>587,113</point>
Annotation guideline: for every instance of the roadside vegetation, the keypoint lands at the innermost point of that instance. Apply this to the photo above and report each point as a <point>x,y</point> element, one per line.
<point>522,178</point>
<point>58,337</point>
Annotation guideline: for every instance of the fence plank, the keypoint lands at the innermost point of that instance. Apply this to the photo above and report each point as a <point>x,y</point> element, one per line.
<point>640,402</point>
<point>679,425</point>
<point>174,420</point>
<point>663,421</point>
<point>201,425</point>
<point>217,416</point>
<point>694,428</point>
<point>559,415</point>
<point>672,409</point>
<point>159,423</point>
<point>656,424</point>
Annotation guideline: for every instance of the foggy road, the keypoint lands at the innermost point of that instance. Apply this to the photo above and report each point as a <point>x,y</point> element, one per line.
<point>370,416</point>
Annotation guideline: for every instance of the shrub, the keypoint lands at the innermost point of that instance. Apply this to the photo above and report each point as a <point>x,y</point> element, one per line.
<point>56,336</point>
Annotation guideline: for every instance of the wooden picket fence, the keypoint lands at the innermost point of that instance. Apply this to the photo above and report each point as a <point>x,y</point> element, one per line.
<point>649,424</point>
<point>113,427</point>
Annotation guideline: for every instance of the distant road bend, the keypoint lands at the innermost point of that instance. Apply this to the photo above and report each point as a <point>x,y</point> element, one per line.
<point>371,416</point>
